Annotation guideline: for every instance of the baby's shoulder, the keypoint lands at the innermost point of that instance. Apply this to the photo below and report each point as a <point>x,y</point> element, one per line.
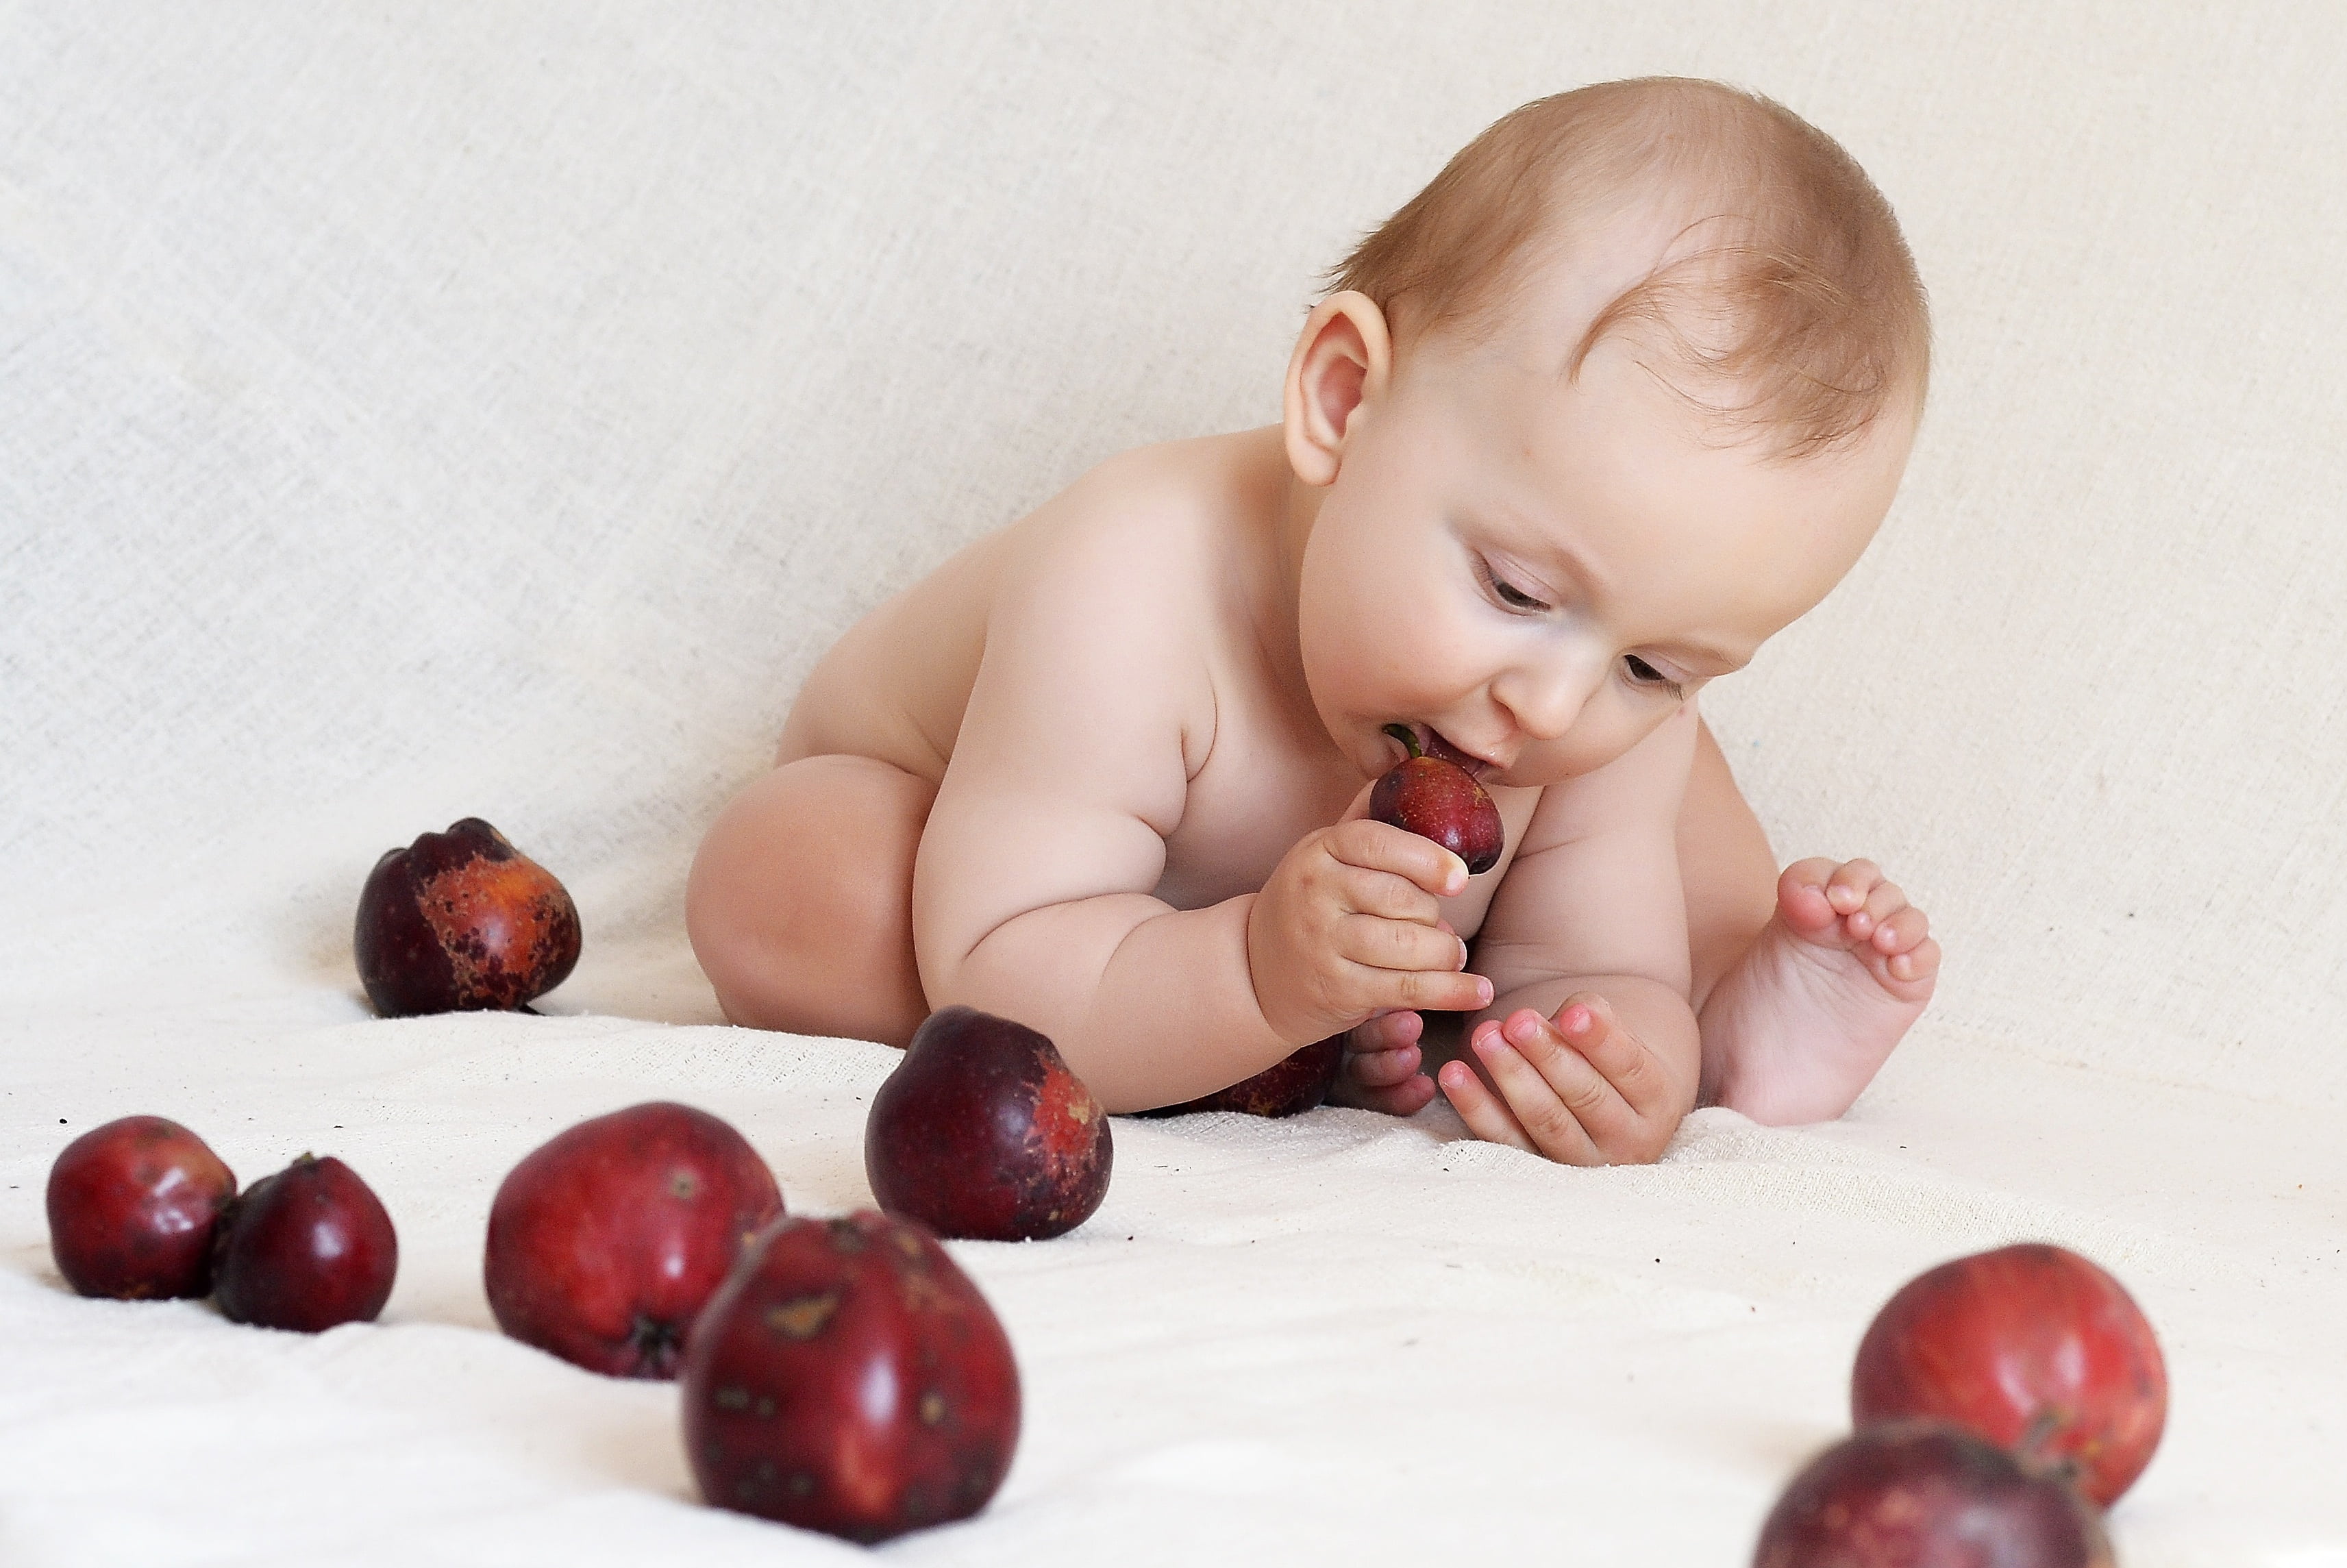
<point>1154,519</point>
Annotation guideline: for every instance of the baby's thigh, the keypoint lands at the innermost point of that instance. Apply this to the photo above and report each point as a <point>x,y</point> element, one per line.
<point>800,901</point>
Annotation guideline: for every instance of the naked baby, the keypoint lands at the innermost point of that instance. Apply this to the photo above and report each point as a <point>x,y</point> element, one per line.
<point>1621,394</point>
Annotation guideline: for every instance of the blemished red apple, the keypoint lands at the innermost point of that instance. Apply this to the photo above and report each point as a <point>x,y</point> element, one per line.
<point>1439,800</point>
<point>1294,1085</point>
<point>606,1240</point>
<point>462,920</point>
<point>982,1131</point>
<point>132,1205</point>
<point>2033,1347</point>
<point>308,1248</point>
<point>849,1377</point>
<point>1925,1494</point>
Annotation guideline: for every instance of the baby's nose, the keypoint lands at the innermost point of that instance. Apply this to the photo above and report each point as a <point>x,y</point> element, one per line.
<point>1546,699</point>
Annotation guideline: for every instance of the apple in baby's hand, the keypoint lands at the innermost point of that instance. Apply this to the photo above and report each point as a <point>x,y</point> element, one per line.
<point>132,1207</point>
<point>1439,800</point>
<point>982,1131</point>
<point>605,1241</point>
<point>307,1248</point>
<point>462,920</point>
<point>849,1377</point>
<point>1294,1085</point>
<point>1925,1494</point>
<point>2031,1347</point>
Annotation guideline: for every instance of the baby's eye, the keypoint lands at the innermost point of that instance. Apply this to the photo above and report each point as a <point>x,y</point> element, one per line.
<point>1508,593</point>
<point>1645,675</point>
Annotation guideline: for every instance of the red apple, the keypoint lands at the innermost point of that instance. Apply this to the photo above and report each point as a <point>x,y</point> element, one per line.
<point>2033,1347</point>
<point>307,1248</point>
<point>1288,1086</point>
<point>849,1377</point>
<point>606,1241</point>
<point>982,1131</point>
<point>461,921</point>
<point>1439,800</point>
<point>1923,1495</point>
<point>132,1205</point>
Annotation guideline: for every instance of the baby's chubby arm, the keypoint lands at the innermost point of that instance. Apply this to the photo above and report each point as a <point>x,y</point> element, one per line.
<point>1032,893</point>
<point>1592,1047</point>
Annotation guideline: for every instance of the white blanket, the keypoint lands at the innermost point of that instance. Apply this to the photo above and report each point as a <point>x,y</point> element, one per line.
<point>493,410</point>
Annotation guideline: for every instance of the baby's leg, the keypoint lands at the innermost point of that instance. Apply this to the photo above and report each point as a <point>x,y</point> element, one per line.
<point>1804,981</point>
<point>800,901</point>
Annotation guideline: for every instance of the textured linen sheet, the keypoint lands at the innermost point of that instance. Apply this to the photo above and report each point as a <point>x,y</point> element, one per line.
<point>494,410</point>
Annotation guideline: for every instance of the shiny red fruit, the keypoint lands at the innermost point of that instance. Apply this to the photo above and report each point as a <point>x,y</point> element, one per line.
<point>2033,1347</point>
<point>606,1241</point>
<point>982,1131</point>
<point>849,1377</point>
<point>1441,800</point>
<point>307,1248</point>
<point>132,1205</point>
<point>1288,1086</point>
<point>1921,1494</point>
<point>462,920</point>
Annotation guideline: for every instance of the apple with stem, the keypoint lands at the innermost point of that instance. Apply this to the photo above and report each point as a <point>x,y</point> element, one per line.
<point>1439,800</point>
<point>606,1241</point>
<point>462,920</point>
<point>2033,1347</point>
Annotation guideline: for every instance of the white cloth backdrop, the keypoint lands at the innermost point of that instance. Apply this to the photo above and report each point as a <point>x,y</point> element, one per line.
<point>415,411</point>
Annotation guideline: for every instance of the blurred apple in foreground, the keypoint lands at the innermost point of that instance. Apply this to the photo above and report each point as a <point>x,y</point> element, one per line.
<point>2031,1347</point>
<point>462,920</point>
<point>1923,1495</point>
<point>606,1241</point>
<point>982,1131</point>
<point>849,1377</point>
<point>308,1248</point>
<point>132,1207</point>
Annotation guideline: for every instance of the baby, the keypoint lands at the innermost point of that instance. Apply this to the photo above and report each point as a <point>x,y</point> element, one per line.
<point>1622,394</point>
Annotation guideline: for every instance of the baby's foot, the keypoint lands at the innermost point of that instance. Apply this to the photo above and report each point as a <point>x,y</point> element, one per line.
<point>1806,1016</point>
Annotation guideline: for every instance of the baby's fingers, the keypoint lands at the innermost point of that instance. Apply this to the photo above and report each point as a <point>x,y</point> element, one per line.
<point>1588,1027</point>
<point>1381,847</point>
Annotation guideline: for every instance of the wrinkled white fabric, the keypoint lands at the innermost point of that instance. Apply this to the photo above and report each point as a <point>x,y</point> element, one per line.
<point>493,410</point>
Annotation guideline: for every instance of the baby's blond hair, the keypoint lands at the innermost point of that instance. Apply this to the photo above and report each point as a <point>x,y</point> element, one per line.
<point>1797,294</point>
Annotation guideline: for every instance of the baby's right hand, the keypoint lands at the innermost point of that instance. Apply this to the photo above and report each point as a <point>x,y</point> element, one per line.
<point>1349,926</point>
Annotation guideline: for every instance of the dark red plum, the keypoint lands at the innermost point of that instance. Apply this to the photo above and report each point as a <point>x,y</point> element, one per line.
<point>308,1248</point>
<point>982,1131</point>
<point>2031,1347</point>
<point>1925,1494</point>
<point>132,1207</point>
<point>462,920</point>
<point>849,1377</point>
<point>1439,800</point>
<point>606,1240</point>
<point>1294,1085</point>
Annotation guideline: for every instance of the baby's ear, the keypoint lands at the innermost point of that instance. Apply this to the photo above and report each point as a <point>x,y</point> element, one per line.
<point>1342,360</point>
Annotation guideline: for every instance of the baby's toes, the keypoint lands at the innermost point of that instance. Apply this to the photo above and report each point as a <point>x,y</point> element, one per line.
<point>1900,930</point>
<point>1801,899</point>
<point>1382,1068</point>
<point>1853,882</point>
<point>1917,964</point>
<point>1884,900</point>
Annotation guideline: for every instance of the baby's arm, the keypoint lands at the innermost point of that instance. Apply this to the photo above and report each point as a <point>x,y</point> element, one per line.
<point>1032,890</point>
<point>1592,1051</point>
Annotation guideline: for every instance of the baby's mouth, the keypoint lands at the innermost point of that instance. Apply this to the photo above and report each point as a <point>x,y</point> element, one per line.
<point>1435,745</point>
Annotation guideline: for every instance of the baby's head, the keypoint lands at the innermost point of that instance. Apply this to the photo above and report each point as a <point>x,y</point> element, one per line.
<point>1619,396</point>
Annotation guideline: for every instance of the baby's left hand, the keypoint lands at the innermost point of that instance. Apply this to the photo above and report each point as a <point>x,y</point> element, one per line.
<point>1580,1088</point>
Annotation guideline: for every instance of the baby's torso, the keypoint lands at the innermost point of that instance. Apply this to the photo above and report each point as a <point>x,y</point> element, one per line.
<point>1184,523</point>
